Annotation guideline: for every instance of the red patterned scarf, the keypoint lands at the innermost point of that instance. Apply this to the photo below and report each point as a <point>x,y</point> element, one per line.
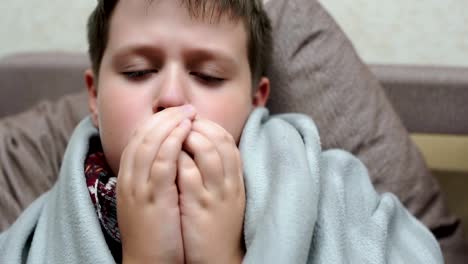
<point>101,184</point>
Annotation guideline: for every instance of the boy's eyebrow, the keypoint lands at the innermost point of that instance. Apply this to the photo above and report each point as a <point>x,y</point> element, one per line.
<point>195,54</point>
<point>202,54</point>
<point>122,52</point>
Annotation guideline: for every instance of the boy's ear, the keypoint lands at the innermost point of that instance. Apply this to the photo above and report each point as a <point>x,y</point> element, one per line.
<point>260,97</point>
<point>91,84</point>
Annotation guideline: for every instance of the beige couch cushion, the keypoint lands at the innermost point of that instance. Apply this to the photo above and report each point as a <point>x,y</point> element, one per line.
<point>31,148</point>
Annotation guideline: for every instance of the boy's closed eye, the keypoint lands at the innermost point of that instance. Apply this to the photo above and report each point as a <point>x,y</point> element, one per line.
<point>205,78</point>
<point>138,74</point>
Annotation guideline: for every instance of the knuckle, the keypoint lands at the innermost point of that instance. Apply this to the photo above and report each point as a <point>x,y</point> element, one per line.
<point>208,148</point>
<point>171,142</point>
<point>140,195</point>
<point>205,201</point>
<point>213,157</point>
<point>160,169</point>
<point>222,135</point>
<point>125,192</point>
<point>141,152</point>
<point>184,161</point>
<point>166,154</point>
<point>228,138</point>
<point>147,141</point>
<point>138,131</point>
<point>217,135</point>
<point>225,139</point>
<point>188,168</point>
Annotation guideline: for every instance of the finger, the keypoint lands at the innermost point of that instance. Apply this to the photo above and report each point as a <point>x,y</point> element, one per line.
<point>123,187</point>
<point>148,140</point>
<point>226,147</point>
<point>207,159</point>
<point>189,179</point>
<point>127,176</point>
<point>164,168</point>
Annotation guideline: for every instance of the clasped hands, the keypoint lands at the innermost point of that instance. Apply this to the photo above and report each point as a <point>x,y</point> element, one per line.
<point>180,192</point>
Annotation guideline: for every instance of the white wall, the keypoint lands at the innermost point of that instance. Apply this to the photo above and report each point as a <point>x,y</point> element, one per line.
<point>402,31</point>
<point>27,25</point>
<point>398,31</point>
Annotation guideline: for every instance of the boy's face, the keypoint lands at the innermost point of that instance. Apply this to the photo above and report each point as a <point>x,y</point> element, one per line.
<point>157,57</point>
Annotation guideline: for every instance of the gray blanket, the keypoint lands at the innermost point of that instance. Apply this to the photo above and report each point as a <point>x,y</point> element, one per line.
<point>303,206</point>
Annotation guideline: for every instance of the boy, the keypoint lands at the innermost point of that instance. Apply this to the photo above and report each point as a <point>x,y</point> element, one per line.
<point>147,77</point>
<point>172,86</point>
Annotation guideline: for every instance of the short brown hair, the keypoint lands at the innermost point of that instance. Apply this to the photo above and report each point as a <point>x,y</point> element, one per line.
<point>251,12</point>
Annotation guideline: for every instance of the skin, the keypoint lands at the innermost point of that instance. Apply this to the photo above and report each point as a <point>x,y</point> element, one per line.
<point>170,103</point>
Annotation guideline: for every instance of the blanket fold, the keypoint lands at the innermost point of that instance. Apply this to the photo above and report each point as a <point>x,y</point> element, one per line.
<point>303,206</point>
<point>308,206</point>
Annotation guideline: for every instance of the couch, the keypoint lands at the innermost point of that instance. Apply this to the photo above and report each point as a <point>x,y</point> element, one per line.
<point>428,99</point>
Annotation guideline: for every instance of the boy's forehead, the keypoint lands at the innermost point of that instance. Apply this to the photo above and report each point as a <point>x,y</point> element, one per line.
<point>193,11</point>
<point>209,10</point>
<point>138,16</point>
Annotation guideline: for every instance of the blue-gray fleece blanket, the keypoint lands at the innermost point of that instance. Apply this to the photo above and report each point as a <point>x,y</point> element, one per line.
<point>304,205</point>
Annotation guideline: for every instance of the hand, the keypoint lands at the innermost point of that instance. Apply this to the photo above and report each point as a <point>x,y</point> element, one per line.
<point>147,195</point>
<point>212,195</point>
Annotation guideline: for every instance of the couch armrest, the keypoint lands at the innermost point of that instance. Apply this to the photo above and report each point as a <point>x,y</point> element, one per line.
<point>27,78</point>
<point>428,99</point>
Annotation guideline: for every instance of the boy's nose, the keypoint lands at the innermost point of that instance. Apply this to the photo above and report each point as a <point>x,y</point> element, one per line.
<point>173,91</point>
